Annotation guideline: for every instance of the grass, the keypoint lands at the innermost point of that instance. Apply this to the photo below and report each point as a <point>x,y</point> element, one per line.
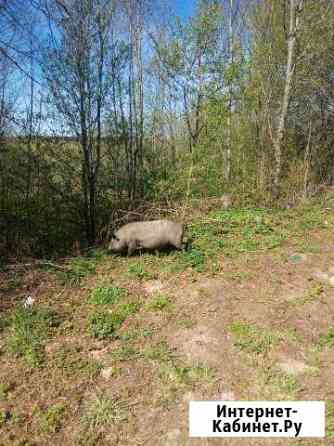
<point>29,329</point>
<point>181,375</point>
<point>158,352</point>
<point>254,339</point>
<point>276,384</point>
<point>76,270</point>
<point>70,365</point>
<point>312,294</point>
<point>327,340</point>
<point>106,295</point>
<point>124,353</point>
<point>329,419</point>
<point>104,410</point>
<point>50,420</point>
<point>137,271</point>
<point>104,324</point>
<point>159,303</point>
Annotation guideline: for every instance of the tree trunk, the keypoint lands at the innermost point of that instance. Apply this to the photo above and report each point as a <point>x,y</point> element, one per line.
<point>290,68</point>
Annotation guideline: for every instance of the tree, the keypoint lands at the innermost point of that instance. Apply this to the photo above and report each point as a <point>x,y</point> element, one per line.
<point>295,8</point>
<point>75,67</point>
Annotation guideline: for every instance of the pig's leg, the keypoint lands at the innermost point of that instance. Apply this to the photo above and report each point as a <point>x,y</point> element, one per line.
<point>132,246</point>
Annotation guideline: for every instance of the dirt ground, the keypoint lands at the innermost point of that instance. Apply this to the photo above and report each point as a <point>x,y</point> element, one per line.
<point>254,326</point>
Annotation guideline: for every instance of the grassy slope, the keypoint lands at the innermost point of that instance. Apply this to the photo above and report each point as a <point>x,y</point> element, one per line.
<point>112,349</point>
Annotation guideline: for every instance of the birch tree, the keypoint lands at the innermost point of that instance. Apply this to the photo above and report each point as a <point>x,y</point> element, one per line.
<point>295,9</point>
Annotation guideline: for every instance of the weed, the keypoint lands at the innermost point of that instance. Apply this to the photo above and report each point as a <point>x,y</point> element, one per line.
<point>159,303</point>
<point>329,419</point>
<point>104,410</point>
<point>5,389</point>
<point>185,375</point>
<point>311,295</point>
<point>158,352</point>
<point>50,421</point>
<point>75,271</point>
<point>128,309</point>
<point>137,271</point>
<point>185,323</point>
<point>30,328</point>
<point>104,324</point>
<point>106,295</point>
<point>71,365</point>
<point>277,384</point>
<point>327,340</point>
<point>124,353</point>
<point>253,339</point>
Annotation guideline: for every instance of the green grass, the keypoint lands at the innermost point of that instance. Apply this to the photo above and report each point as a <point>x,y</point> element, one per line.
<point>254,339</point>
<point>105,295</point>
<point>276,384</point>
<point>327,340</point>
<point>138,271</point>
<point>181,375</point>
<point>5,388</point>
<point>103,411</point>
<point>71,365</point>
<point>124,353</point>
<point>29,330</point>
<point>158,352</point>
<point>50,420</point>
<point>159,303</point>
<point>76,270</point>
<point>104,324</point>
<point>329,419</point>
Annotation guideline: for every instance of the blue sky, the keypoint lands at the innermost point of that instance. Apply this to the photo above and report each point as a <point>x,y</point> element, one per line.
<point>184,8</point>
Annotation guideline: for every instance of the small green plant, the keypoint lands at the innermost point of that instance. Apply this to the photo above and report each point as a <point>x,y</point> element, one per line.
<point>128,309</point>
<point>5,388</point>
<point>73,273</point>
<point>185,323</point>
<point>106,295</point>
<point>158,352</point>
<point>104,410</point>
<point>104,324</point>
<point>29,329</point>
<point>51,420</point>
<point>254,339</point>
<point>137,271</point>
<point>71,365</point>
<point>159,303</point>
<point>124,353</point>
<point>185,375</point>
<point>194,258</point>
<point>327,340</point>
<point>277,384</point>
<point>330,419</point>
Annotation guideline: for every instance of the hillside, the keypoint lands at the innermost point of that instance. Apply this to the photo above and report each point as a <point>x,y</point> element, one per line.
<point>108,350</point>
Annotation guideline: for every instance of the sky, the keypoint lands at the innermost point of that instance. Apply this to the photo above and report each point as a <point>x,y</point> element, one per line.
<point>184,8</point>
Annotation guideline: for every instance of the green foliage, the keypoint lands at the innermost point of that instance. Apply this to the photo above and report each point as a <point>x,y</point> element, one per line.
<point>159,303</point>
<point>104,410</point>
<point>104,324</point>
<point>137,271</point>
<point>158,352</point>
<point>124,353</point>
<point>327,340</point>
<point>76,270</point>
<point>106,295</point>
<point>29,329</point>
<point>254,339</point>
<point>180,375</point>
<point>50,420</point>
